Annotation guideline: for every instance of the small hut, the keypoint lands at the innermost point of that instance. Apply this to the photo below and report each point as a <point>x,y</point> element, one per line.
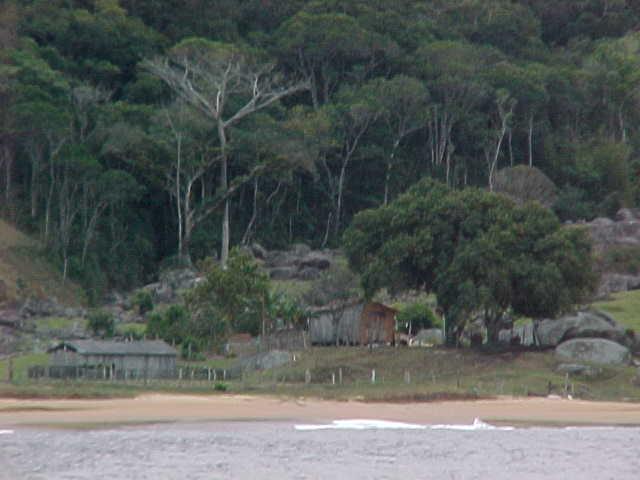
<point>148,359</point>
<point>353,324</point>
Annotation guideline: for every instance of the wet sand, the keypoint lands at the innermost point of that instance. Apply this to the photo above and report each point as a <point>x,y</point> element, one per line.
<point>160,408</point>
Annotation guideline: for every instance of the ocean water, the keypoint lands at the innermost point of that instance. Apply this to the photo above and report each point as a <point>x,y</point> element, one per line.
<point>351,449</point>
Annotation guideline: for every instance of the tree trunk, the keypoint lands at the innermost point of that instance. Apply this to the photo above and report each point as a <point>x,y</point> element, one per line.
<point>224,186</point>
<point>254,215</point>
<point>530,141</point>
<point>341,179</point>
<point>387,178</point>
<point>178,196</point>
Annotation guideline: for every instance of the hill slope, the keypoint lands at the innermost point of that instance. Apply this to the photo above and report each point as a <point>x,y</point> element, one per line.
<point>23,267</point>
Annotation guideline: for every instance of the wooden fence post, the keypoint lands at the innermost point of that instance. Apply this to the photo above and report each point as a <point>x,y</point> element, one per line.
<point>373,376</point>
<point>340,375</point>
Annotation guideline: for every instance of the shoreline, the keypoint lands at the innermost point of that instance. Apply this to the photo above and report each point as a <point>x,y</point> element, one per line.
<point>164,408</point>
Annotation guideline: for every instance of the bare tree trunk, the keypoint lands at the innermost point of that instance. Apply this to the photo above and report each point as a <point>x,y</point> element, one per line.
<point>224,185</point>
<point>387,178</point>
<point>178,196</point>
<point>530,141</point>
<point>341,179</point>
<point>254,214</point>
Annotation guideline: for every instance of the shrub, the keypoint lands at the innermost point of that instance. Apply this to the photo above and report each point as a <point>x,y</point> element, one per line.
<point>101,323</point>
<point>143,301</point>
<point>414,317</point>
<point>172,324</point>
<point>220,387</point>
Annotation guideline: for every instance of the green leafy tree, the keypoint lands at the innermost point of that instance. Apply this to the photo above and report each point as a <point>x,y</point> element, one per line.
<point>230,299</point>
<point>101,323</point>
<point>479,252</point>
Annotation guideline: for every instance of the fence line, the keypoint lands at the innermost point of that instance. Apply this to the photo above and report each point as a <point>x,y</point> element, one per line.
<point>103,373</point>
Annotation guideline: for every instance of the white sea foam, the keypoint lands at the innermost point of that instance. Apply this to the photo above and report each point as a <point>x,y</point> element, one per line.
<point>362,425</point>
<point>383,424</point>
<point>6,432</point>
<point>476,425</point>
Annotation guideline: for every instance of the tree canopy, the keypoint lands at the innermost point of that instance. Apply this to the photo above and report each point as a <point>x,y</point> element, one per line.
<point>230,122</point>
<point>480,253</point>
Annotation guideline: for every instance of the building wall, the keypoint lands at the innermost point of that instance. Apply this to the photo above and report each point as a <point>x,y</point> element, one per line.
<point>377,324</point>
<point>134,365</point>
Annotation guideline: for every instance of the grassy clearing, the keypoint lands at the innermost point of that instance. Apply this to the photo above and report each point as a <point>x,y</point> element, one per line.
<point>402,375</point>
<point>433,374</point>
<point>624,307</point>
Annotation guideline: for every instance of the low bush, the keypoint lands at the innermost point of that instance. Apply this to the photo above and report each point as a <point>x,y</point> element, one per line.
<point>414,317</point>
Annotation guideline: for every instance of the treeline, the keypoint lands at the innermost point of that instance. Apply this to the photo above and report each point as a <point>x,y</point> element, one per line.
<point>139,130</point>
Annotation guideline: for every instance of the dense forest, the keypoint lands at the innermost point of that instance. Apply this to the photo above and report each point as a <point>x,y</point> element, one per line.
<point>136,132</point>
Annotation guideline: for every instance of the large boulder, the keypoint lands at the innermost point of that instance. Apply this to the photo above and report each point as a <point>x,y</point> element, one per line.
<point>581,325</point>
<point>267,360</point>
<point>597,351</point>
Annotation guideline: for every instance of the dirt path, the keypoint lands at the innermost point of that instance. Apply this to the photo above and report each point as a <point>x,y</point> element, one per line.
<point>183,408</point>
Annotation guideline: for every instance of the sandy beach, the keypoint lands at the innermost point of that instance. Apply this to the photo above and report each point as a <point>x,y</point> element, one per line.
<point>157,408</point>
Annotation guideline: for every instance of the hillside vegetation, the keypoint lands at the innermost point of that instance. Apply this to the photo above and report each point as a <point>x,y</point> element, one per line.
<point>26,272</point>
<point>135,133</point>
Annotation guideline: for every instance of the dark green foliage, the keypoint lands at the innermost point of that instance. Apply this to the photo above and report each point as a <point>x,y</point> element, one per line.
<point>101,323</point>
<point>414,317</point>
<point>479,252</point>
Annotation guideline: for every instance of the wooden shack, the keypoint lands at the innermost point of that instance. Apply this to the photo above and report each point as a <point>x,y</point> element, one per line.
<point>353,324</point>
<point>148,359</point>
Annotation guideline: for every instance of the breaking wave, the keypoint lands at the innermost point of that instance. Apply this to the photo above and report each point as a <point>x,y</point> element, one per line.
<point>386,425</point>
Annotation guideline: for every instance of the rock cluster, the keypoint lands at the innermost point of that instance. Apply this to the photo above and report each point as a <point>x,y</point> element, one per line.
<point>585,340</point>
<point>607,234</point>
<point>297,263</point>
<point>584,324</point>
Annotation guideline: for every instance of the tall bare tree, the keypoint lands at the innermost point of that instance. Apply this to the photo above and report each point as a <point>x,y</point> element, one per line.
<point>226,84</point>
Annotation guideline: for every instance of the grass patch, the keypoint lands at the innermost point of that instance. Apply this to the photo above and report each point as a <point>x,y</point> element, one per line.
<point>59,325</point>
<point>136,330</point>
<point>21,364</point>
<point>624,307</point>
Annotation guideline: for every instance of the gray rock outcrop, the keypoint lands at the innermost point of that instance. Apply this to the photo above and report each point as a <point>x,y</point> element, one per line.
<point>597,351</point>
<point>167,289</point>
<point>297,263</point>
<point>586,324</point>
<point>267,360</point>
